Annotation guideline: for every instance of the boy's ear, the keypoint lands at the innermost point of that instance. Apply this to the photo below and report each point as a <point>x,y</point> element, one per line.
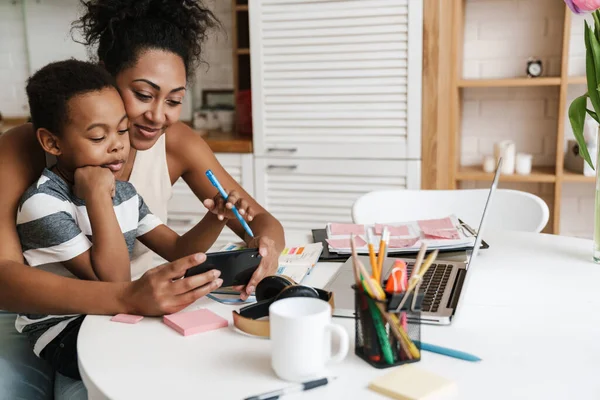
<point>49,142</point>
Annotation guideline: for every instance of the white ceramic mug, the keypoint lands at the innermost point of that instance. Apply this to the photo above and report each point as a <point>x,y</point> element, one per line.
<point>301,340</point>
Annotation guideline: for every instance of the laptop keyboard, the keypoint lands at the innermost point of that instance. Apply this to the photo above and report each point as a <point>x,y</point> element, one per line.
<point>433,285</point>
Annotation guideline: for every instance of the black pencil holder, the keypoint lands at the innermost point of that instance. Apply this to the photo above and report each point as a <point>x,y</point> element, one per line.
<point>377,342</point>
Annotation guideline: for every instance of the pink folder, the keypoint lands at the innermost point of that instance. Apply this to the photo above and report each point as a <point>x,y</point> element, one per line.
<point>192,322</point>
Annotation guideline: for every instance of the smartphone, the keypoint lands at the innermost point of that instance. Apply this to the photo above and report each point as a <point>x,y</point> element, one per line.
<point>236,266</point>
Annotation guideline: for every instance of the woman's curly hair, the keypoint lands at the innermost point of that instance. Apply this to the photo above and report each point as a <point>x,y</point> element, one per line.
<point>122,29</point>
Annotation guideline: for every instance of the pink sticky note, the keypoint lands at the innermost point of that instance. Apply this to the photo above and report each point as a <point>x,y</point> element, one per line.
<point>442,223</point>
<point>399,243</point>
<point>441,233</point>
<point>346,229</point>
<point>127,318</point>
<point>401,230</point>
<point>345,243</point>
<point>192,322</point>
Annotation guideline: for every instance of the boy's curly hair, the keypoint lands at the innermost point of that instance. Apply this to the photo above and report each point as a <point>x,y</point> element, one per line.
<point>50,89</point>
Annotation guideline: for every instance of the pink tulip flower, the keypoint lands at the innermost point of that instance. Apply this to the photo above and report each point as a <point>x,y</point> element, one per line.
<point>583,6</point>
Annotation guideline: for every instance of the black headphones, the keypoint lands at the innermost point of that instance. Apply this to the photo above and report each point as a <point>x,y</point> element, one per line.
<point>268,291</point>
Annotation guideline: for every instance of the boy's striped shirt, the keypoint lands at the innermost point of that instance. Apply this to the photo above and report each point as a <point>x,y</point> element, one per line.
<point>53,226</point>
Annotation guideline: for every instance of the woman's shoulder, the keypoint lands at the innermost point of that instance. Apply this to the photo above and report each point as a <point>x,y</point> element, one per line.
<point>184,147</point>
<point>21,143</point>
<point>22,135</point>
<point>181,138</point>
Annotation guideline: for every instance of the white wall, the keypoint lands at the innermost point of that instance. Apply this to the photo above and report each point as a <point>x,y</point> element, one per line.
<point>500,36</point>
<point>49,40</point>
<point>218,50</point>
<point>13,60</point>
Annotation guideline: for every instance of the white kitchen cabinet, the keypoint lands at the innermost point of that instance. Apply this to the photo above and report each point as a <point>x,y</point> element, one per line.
<point>336,79</point>
<point>336,104</point>
<point>305,194</point>
<point>185,209</point>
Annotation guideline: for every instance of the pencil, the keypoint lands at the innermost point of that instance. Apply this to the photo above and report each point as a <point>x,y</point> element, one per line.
<point>354,258</point>
<point>419,259</point>
<point>381,256</point>
<point>407,345</point>
<point>370,284</point>
<point>416,278</point>
<point>372,258</point>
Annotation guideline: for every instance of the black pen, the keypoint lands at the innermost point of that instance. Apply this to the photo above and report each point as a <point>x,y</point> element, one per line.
<point>275,394</point>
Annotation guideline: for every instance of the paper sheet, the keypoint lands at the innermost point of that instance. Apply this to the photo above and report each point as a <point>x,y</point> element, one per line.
<point>347,229</point>
<point>400,243</point>
<point>441,233</point>
<point>442,223</point>
<point>345,242</point>
<point>398,230</point>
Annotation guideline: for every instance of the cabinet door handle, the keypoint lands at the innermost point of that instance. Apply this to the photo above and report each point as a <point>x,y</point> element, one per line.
<point>282,167</point>
<point>183,221</point>
<point>275,149</point>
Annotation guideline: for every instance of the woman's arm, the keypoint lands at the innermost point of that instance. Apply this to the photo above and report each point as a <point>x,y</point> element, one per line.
<point>26,289</point>
<point>189,156</point>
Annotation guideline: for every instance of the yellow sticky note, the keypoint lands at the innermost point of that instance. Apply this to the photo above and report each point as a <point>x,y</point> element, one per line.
<point>409,382</point>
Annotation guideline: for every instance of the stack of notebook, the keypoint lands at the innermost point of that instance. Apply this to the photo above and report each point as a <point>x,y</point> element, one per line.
<point>404,237</point>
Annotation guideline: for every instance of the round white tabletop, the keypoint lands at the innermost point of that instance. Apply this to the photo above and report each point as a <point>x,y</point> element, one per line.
<point>529,309</point>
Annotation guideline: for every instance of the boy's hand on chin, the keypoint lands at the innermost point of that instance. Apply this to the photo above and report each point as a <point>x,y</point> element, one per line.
<point>93,181</point>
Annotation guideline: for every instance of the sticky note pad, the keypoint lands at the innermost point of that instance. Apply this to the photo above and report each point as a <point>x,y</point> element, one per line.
<point>127,318</point>
<point>411,383</point>
<point>192,322</point>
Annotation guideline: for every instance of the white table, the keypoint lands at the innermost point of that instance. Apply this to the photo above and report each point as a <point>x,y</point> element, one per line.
<point>530,310</point>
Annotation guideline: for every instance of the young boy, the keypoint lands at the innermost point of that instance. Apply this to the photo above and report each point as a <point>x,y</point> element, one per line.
<point>77,220</point>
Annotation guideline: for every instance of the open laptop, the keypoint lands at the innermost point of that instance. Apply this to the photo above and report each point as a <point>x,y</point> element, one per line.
<point>442,284</point>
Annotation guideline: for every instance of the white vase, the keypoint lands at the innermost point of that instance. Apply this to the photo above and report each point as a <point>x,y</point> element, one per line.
<point>597,205</point>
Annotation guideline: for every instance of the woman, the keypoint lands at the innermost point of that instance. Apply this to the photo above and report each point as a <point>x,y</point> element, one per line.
<point>151,47</point>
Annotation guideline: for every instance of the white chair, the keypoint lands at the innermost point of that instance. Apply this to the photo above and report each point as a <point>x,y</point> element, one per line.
<point>509,210</point>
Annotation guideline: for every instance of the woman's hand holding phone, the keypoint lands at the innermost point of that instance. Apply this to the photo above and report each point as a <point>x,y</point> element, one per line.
<point>162,290</point>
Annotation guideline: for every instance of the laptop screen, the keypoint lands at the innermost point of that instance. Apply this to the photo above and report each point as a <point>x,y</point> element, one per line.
<point>479,236</point>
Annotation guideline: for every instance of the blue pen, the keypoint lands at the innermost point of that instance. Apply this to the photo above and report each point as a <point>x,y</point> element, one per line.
<point>213,179</point>
<point>448,352</point>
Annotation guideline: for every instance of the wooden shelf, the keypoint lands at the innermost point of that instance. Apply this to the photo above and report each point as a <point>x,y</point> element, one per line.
<point>577,80</point>
<point>456,97</point>
<point>242,51</point>
<point>228,142</point>
<point>569,176</point>
<point>242,7</point>
<point>512,82</point>
<point>538,174</point>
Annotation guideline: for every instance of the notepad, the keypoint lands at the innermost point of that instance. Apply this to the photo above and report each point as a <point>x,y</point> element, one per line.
<point>192,322</point>
<point>409,382</point>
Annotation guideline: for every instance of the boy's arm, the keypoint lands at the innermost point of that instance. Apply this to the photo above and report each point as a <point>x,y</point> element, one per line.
<point>95,261</point>
<point>170,246</point>
<point>109,257</point>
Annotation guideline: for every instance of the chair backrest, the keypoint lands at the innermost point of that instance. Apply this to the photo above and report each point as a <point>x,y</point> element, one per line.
<point>509,210</point>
